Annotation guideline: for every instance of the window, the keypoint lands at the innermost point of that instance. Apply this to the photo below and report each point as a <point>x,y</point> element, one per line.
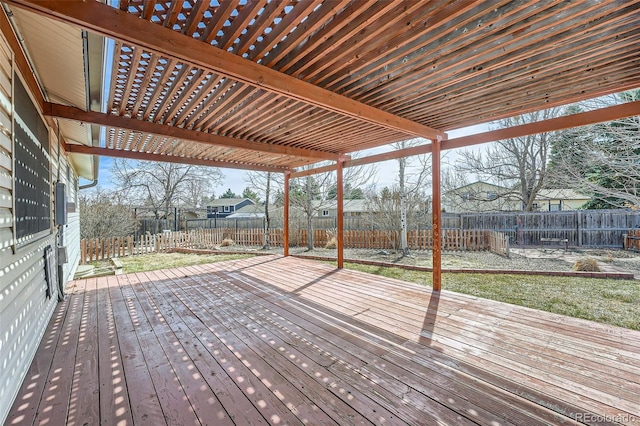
<point>466,196</point>
<point>492,196</point>
<point>31,173</point>
<point>227,209</point>
<point>554,207</point>
<point>325,212</point>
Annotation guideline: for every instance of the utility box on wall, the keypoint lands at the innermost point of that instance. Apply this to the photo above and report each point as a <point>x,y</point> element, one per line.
<point>61,203</point>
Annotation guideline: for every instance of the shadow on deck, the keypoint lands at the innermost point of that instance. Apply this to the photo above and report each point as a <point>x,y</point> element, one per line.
<point>272,340</point>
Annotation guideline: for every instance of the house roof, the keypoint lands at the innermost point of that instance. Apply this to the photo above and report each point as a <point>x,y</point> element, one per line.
<point>349,206</point>
<point>562,194</point>
<point>220,202</point>
<point>275,85</point>
<point>250,209</point>
<point>478,183</point>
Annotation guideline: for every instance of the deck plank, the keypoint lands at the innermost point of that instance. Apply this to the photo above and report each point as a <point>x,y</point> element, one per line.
<point>85,388</point>
<point>523,346</point>
<point>272,340</point>
<point>291,364</point>
<point>54,406</point>
<point>433,385</point>
<point>561,389</point>
<point>174,401</point>
<point>143,397</point>
<point>297,408</point>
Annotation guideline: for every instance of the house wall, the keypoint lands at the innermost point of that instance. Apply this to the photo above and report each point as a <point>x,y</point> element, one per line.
<point>567,205</point>
<point>25,310</point>
<point>475,198</point>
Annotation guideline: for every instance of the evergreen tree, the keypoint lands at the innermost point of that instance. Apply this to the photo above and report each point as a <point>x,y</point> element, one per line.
<point>229,194</point>
<point>250,194</point>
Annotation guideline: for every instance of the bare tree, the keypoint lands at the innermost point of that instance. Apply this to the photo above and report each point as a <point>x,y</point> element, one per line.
<point>385,207</point>
<point>411,180</point>
<point>309,192</point>
<point>602,160</point>
<point>460,195</point>
<point>519,164</point>
<point>161,186</point>
<point>263,183</point>
<point>105,215</point>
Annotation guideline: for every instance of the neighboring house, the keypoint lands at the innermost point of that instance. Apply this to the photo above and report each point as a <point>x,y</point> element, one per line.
<point>39,214</point>
<point>257,211</point>
<point>554,200</point>
<point>224,207</point>
<point>480,197</point>
<point>248,211</point>
<point>487,197</point>
<point>351,208</point>
<point>189,214</point>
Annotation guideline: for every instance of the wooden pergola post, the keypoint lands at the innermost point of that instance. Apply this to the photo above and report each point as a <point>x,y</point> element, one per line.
<point>437,216</point>
<point>285,237</point>
<point>340,212</point>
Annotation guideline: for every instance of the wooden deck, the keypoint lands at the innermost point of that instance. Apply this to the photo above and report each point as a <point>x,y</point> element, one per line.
<point>291,341</point>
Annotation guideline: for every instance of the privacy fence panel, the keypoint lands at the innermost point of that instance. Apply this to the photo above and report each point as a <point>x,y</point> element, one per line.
<point>588,228</point>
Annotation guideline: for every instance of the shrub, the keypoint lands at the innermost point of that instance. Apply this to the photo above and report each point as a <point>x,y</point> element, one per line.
<point>587,264</point>
<point>227,242</point>
<point>332,243</point>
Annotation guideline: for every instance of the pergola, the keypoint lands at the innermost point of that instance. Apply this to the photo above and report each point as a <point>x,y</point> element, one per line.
<point>276,85</point>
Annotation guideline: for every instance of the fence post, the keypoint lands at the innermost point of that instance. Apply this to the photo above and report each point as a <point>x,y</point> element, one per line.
<point>579,226</point>
<point>83,251</point>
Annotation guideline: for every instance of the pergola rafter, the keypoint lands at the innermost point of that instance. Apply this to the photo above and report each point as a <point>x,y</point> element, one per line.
<point>119,25</point>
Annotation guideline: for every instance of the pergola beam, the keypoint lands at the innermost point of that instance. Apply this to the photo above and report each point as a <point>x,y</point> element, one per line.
<point>117,24</point>
<point>135,125</point>
<point>587,118</point>
<point>135,155</point>
<point>601,115</point>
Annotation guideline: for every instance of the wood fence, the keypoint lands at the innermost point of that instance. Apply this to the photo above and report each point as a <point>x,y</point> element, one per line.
<point>632,240</point>
<point>588,228</point>
<point>453,239</point>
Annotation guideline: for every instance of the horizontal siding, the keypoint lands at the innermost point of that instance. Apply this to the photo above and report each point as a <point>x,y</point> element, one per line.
<point>5,179</point>
<point>24,314</point>
<point>6,200</point>
<point>24,308</point>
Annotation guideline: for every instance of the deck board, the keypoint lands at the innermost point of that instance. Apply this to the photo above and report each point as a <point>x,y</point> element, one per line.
<point>274,340</point>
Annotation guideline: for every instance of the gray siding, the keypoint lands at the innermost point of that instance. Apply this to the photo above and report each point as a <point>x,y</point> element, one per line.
<point>24,308</point>
<point>24,314</point>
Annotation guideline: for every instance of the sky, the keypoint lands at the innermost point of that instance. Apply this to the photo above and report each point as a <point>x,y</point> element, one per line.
<point>236,180</point>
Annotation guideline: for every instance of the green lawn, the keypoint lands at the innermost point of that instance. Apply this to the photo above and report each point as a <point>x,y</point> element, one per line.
<point>615,302</point>
<point>152,262</point>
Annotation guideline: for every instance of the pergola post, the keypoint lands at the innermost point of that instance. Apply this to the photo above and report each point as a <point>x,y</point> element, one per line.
<point>437,216</point>
<point>340,212</point>
<point>285,237</point>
